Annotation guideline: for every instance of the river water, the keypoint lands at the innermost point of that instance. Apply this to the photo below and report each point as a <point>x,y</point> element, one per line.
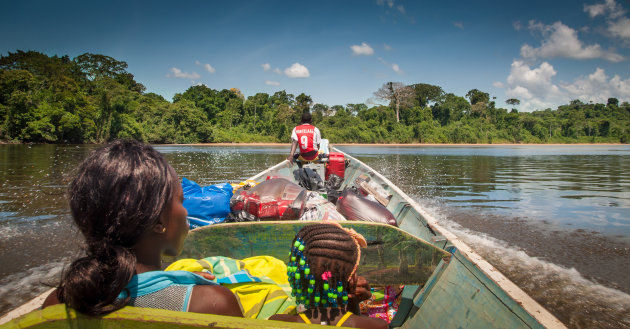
<point>553,219</point>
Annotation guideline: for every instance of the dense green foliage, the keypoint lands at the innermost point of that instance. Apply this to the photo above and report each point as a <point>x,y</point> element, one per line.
<point>92,99</point>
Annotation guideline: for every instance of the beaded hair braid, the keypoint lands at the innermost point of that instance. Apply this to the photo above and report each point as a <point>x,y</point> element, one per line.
<point>322,260</point>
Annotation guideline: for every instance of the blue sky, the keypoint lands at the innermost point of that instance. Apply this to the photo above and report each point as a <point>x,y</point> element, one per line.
<point>544,53</point>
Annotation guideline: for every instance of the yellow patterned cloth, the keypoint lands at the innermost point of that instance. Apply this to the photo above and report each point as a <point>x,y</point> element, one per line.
<point>259,300</point>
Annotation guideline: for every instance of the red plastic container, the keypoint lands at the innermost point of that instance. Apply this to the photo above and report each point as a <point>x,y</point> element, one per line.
<point>336,164</point>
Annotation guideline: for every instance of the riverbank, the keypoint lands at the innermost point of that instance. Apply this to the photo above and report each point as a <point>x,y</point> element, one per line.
<point>343,144</point>
<point>394,144</point>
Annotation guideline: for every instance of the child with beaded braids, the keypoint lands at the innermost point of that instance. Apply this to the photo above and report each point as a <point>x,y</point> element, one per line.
<point>322,272</point>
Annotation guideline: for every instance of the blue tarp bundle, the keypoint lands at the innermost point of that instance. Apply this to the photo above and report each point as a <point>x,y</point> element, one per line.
<point>206,205</point>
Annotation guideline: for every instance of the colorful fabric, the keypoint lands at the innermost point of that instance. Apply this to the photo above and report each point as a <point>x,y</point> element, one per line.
<point>260,283</point>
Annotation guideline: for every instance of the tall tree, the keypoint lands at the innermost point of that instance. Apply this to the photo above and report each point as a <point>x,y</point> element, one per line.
<point>303,103</point>
<point>513,102</point>
<point>99,66</point>
<point>477,96</point>
<point>397,94</point>
<point>612,101</point>
<point>425,93</point>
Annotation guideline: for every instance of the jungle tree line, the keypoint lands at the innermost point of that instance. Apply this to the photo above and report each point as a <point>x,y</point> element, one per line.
<point>92,99</point>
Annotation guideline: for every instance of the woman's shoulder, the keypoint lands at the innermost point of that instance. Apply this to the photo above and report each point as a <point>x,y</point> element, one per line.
<point>214,299</point>
<point>52,299</point>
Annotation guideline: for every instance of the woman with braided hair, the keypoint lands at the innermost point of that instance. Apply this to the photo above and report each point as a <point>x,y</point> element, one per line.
<point>322,271</point>
<point>126,201</point>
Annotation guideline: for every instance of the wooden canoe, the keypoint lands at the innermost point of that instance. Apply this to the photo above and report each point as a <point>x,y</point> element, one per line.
<point>447,284</point>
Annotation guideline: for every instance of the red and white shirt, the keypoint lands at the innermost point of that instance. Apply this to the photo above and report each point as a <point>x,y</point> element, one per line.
<point>308,138</point>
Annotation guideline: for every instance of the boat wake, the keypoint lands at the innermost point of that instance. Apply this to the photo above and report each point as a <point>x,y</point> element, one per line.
<point>576,301</point>
<point>21,287</point>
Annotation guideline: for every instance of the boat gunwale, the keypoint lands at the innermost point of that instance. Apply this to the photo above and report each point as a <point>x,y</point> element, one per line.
<point>531,306</point>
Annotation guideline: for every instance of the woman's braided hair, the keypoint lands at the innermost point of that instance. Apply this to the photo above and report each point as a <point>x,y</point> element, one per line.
<point>329,257</point>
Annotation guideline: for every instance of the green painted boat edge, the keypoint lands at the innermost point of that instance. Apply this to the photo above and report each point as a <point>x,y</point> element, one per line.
<point>58,316</point>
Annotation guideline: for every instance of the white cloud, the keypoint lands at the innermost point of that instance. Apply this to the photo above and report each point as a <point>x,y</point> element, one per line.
<point>598,87</point>
<point>533,86</point>
<point>297,70</point>
<point>536,90</point>
<point>396,68</point>
<point>266,66</point>
<point>272,83</point>
<point>177,73</point>
<point>498,84</point>
<point>277,71</point>
<point>401,9</point>
<point>458,24</point>
<point>392,66</point>
<point>387,47</point>
<point>560,40</point>
<point>363,49</point>
<point>618,25</point>
<point>609,7</point>
<point>207,67</point>
<point>620,28</point>
<point>520,92</point>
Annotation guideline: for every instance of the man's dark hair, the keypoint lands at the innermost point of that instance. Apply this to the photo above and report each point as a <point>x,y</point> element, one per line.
<point>306,117</point>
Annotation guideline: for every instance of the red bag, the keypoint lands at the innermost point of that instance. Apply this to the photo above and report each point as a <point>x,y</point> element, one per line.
<point>273,199</point>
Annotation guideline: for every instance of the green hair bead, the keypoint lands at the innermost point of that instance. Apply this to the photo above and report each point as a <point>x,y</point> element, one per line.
<point>307,271</point>
<point>297,275</point>
<point>302,262</point>
<point>301,247</point>
<point>339,289</point>
<point>296,244</point>
<point>326,286</point>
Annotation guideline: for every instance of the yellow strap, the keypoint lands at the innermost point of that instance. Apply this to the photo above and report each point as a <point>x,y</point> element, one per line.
<point>343,319</point>
<point>304,318</point>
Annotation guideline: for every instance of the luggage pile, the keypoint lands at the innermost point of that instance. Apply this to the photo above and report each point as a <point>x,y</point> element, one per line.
<point>279,198</point>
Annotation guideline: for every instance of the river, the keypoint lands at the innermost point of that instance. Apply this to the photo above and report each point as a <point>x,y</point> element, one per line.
<point>553,219</point>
